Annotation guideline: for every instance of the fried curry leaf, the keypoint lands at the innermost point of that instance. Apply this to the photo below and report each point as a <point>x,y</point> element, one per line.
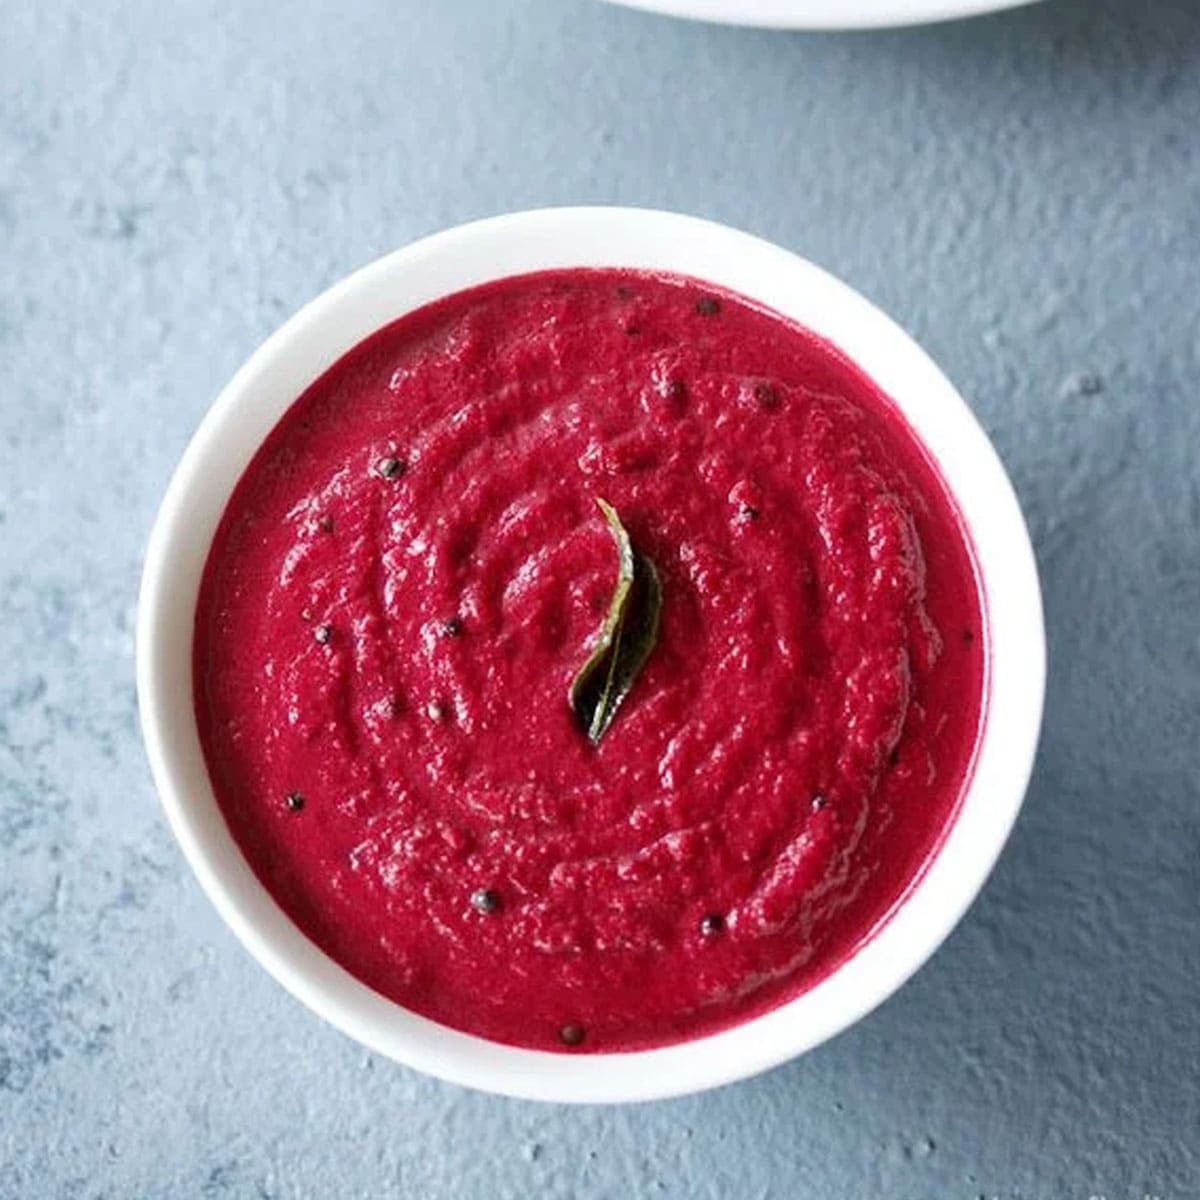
<point>625,639</point>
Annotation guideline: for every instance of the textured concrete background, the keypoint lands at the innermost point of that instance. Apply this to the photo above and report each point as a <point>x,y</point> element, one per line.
<point>1023,192</point>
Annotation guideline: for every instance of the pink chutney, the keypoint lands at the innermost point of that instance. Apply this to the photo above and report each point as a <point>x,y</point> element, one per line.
<point>414,567</point>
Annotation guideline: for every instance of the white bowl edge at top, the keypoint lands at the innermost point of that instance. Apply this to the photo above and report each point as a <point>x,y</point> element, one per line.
<point>823,14</point>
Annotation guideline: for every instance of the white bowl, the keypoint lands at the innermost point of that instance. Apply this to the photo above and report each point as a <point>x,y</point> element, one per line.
<point>316,337</point>
<point>822,14</point>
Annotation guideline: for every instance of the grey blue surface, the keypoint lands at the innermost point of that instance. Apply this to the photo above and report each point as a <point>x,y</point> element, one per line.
<point>1021,191</point>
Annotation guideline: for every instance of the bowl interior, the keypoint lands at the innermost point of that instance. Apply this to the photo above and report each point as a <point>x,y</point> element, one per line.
<point>315,338</point>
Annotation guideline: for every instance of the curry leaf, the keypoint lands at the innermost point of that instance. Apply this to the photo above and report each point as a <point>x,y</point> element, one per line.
<point>626,637</point>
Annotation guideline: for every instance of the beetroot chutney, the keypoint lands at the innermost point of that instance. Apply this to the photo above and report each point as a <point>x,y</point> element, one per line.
<point>414,567</point>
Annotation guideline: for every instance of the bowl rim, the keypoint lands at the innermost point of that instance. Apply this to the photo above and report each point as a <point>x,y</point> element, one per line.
<point>315,337</point>
<point>823,14</point>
